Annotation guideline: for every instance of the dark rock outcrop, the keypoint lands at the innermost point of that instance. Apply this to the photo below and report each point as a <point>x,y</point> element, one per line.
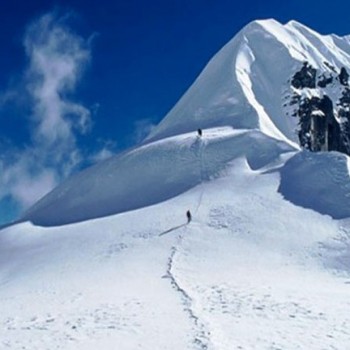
<point>344,77</point>
<point>324,124</point>
<point>306,77</point>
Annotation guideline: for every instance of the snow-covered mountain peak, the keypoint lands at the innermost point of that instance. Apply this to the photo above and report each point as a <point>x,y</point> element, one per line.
<point>231,230</point>
<point>244,83</point>
<point>257,96</point>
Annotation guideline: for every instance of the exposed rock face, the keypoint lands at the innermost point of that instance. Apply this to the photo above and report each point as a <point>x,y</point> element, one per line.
<point>344,118</point>
<point>344,77</point>
<point>322,104</point>
<point>305,78</point>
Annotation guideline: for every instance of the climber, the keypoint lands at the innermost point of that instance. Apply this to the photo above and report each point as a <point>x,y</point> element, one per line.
<point>199,131</point>
<point>189,216</point>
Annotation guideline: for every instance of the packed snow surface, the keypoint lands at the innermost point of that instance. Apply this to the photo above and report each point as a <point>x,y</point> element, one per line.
<point>251,271</point>
<point>107,260</point>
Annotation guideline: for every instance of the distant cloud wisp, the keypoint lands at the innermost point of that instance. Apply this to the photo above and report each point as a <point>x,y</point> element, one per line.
<point>142,128</point>
<point>56,60</point>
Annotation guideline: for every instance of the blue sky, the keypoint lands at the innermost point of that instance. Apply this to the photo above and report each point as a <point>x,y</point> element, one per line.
<point>80,80</point>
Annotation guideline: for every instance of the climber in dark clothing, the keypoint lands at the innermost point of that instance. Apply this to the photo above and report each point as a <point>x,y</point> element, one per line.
<point>189,216</point>
<point>199,131</point>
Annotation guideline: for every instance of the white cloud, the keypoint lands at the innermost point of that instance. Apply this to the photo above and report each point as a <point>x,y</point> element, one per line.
<point>103,154</point>
<point>56,60</point>
<point>107,149</point>
<point>143,128</point>
<point>57,57</point>
<point>24,181</point>
<point>30,189</point>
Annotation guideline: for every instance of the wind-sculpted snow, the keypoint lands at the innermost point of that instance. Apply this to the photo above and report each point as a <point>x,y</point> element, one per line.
<point>246,82</point>
<point>151,174</point>
<point>319,181</point>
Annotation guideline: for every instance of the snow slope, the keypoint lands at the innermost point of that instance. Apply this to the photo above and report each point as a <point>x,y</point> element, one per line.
<point>251,271</point>
<point>106,260</point>
<point>152,173</point>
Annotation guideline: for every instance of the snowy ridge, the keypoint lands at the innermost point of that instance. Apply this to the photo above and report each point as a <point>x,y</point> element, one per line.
<point>107,259</point>
<point>243,83</point>
<point>151,174</point>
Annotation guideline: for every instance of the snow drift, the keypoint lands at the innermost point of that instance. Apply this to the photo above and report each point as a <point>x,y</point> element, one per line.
<point>319,181</point>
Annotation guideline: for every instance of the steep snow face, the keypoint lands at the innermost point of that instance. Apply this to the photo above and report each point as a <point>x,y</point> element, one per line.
<point>247,82</point>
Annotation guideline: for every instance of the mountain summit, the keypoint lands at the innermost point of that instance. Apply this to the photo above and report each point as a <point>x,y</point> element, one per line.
<point>282,86</point>
<point>248,82</point>
<point>227,228</point>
